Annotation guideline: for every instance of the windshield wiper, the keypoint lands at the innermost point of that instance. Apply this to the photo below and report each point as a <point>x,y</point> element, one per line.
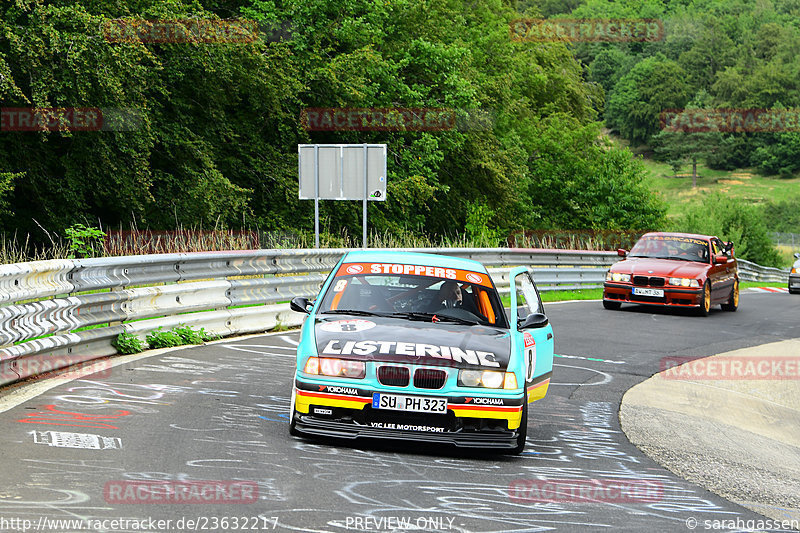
<point>357,312</point>
<point>439,318</point>
<point>669,257</point>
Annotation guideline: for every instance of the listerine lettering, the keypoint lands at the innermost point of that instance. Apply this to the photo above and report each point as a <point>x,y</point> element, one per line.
<point>454,353</point>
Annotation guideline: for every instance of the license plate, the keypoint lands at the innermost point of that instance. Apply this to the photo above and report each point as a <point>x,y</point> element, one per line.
<point>642,291</point>
<point>418,404</point>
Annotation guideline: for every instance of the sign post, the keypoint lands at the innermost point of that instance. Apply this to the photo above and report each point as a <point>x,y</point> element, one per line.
<point>342,172</point>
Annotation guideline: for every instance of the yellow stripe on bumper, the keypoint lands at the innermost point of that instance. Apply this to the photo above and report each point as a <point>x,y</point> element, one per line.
<point>512,414</point>
<point>304,399</point>
<point>538,391</point>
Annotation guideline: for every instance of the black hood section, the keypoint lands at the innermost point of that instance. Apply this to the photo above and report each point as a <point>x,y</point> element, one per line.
<point>376,338</point>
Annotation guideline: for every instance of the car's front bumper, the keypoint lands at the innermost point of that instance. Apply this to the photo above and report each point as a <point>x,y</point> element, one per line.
<point>347,412</point>
<point>683,297</point>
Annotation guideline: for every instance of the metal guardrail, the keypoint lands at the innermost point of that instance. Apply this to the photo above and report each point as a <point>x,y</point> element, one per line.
<point>45,306</point>
<point>753,272</point>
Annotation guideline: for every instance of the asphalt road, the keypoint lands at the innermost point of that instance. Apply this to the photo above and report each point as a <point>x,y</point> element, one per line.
<point>219,412</point>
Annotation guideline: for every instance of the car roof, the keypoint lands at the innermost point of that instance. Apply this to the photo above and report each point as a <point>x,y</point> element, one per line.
<point>413,258</point>
<point>671,234</point>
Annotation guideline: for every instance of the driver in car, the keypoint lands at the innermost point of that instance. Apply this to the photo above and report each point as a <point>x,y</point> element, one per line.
<point>449,295</point>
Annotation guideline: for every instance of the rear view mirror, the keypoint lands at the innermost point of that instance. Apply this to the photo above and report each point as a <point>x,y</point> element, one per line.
<point>534,320</point>
<point>622,252</point>
<point>299,304</point>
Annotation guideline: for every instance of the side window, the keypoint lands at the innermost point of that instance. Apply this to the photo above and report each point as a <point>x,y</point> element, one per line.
<point>528,300</point>
<point>721,247</point>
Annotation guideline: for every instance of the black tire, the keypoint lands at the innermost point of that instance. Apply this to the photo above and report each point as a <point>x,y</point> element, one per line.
<point>611,305</point>
<point>705,304</point>
<point>522,435</point>
<point>733,302</point>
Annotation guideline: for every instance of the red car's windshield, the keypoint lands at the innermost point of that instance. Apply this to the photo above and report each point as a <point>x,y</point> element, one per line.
<point>671,247</point>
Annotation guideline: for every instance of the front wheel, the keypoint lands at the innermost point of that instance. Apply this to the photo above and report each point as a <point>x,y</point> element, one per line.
<point>705,305</point>
<point>522,434</point>
<point>733,302</point>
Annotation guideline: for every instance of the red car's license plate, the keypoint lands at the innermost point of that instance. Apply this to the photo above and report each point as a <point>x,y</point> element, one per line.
<point>643,291</point>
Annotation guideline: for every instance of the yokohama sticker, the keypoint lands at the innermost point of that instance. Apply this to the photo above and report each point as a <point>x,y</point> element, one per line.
<point>347,326</point>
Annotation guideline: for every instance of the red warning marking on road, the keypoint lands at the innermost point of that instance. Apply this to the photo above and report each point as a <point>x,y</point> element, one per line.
<point>54,417</point>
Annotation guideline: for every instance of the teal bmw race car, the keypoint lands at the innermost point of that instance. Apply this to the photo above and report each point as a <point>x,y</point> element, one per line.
<point>417,346</point>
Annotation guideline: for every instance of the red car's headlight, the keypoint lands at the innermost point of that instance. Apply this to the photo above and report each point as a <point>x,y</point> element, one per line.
<point>684,282</point>
<point>617,276</point>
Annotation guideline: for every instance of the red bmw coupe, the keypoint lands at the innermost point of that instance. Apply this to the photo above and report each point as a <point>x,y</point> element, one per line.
<point>677,270</point>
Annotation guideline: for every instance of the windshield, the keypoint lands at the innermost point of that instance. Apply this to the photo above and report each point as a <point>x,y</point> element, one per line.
<point>414,292</point>
<point>671,247</point>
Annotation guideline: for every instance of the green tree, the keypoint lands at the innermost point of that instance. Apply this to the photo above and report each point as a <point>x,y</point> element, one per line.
<point>677,143</point>
<point>582,180</point>
<point>653,85</point>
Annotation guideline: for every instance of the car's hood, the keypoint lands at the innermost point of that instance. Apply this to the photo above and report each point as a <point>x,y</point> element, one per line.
<point>641,266</point>
<point>419,342</point>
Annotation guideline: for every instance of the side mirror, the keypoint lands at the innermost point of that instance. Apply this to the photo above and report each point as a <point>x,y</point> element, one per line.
<point>622,252</point>
<point>300,305</point>
<point>533,320</point>
<point>720,259</point>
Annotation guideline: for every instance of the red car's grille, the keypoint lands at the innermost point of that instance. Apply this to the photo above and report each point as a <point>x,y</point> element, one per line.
<point>429,378</point>
<point>393,376</point>
<point>652,282</point>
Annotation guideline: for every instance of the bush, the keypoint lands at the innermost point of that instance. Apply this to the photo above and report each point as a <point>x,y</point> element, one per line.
<point>188,335</point>
<point>191,336</point>
<point>127,343</point>
<point>732,219</point>
<point>84,241</point>
<point>163,339</point>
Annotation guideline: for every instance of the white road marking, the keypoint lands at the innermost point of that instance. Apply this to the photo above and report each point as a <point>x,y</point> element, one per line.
<point>232,347</point>
<point>606,377</point>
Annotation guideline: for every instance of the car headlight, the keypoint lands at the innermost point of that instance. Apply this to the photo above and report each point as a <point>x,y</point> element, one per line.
<point>617,276</point>
<point>684,282</point>
<point>338,368</point>
<point>490,379</point>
